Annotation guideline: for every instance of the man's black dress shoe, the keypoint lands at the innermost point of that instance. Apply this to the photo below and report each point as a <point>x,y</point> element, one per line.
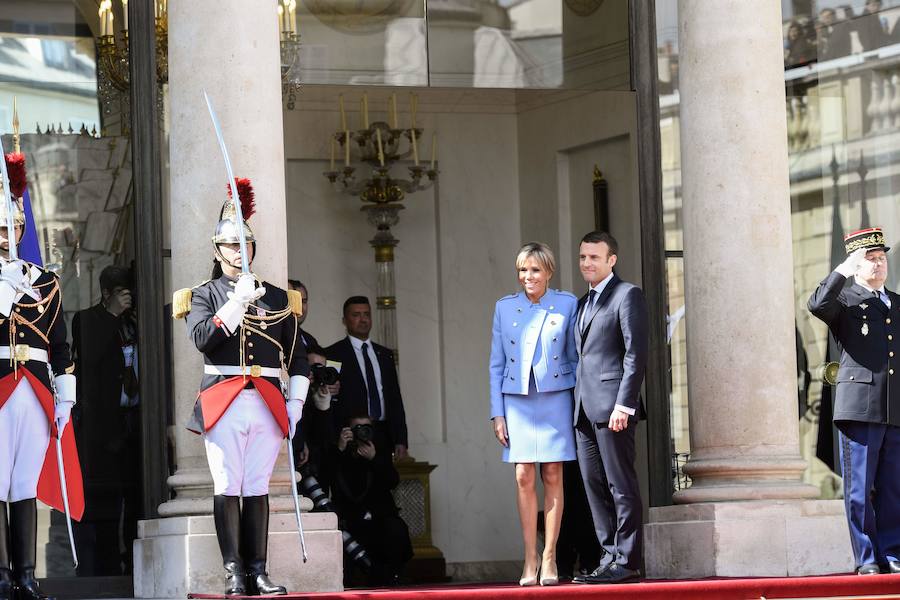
<point>894,566</point>
<point>614,573</point>
<point>585,577</point>
<point>870,569</point>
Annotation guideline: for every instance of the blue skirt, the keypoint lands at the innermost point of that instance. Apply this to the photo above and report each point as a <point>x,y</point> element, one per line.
<point>539,426</point>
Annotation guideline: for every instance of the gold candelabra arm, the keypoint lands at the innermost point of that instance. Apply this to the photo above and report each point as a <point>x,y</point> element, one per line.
<point>114,60</point>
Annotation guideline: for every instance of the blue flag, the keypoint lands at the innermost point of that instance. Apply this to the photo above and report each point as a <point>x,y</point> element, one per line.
<point>30,247</point>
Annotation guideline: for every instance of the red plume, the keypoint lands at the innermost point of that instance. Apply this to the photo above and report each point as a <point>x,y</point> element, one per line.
<point>15,166</point>
<point>245,193</point>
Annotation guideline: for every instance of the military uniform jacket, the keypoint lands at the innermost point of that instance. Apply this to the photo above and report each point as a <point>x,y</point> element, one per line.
<point>269,336</point>
<point>39,324</point>
<point>868,381</point>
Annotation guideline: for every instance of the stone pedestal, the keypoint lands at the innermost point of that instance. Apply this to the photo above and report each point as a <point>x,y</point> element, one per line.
<point>177,555</point>
<point>747,539</point>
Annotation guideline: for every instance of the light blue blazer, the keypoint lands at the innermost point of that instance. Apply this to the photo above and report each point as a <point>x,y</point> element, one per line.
<point>528,339</point>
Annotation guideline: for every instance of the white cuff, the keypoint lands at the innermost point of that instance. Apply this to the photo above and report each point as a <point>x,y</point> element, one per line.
<point>7,296</point>
<point>231,314</point>
<point>322,398</point>
<point>65,388</point>
<point>298,388</point>
<point>626,410</point>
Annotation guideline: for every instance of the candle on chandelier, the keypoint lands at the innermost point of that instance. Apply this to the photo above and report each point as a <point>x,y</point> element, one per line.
<point>293,15</point>
<point>365,110</point>
<point>280,18</point>
<point>343,114</point>
<point>125,14</point>
<point>433,149</point>
<point>394,124</point>
<point>380,147</point>
<point>415,146</point>
<point>346,148</point>
<point>332,153</point>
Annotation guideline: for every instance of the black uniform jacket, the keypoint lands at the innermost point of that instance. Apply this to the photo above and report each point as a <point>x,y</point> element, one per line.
<point>353,398</point>
<point>868,381</point>
<point>269,337</point>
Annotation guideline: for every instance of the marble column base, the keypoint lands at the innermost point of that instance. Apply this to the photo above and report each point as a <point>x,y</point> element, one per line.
<point>177,555</point>
<point>767,538</point>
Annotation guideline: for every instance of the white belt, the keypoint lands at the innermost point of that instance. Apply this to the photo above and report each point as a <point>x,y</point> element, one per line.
<point>231,370</point>
<point>24,353</point>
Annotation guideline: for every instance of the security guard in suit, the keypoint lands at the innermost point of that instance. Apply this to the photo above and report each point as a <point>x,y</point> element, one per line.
<point>243,329</point>
<point>864,318</point>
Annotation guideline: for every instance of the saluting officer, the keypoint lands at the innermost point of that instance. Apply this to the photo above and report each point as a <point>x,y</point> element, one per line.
<point>864,319</point>
<point>246,332</point>
<point>34,359</point>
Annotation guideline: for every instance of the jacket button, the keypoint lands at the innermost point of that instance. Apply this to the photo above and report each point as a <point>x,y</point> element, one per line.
<point>865,317</point>
<point>515,324</point>
<point>512,360</point>
<point>555,358</point>
<point>556,374</point>
<point>21,334</point>
<point>513,342</point>
<point>250,344</point>
<point>852,378</point>
<point>250,357</point>
<point>554,339</point>
<point>511,377</point>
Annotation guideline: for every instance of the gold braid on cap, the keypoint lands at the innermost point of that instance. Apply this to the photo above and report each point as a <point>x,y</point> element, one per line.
<point>873,241</point>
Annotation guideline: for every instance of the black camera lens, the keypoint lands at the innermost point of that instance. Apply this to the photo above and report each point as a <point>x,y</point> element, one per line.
<point>324,375</point>
<point>363,432</point>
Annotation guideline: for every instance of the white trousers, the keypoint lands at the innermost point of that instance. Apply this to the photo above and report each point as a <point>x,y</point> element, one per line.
<point>24,436</point>
<point>243,446</point>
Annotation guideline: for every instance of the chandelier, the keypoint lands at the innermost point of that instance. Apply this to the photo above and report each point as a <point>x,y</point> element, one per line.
<point>377,149</point>
<point>114,83</point>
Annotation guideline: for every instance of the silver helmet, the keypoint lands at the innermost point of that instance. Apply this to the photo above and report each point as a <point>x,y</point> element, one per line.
<point>227,227</point>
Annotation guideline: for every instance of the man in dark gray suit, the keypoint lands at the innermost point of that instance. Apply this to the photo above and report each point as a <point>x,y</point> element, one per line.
<point>611,339</point>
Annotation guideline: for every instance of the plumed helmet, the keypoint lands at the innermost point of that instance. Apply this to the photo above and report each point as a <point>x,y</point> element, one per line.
<point>227,227</point>
<point>15,166</point>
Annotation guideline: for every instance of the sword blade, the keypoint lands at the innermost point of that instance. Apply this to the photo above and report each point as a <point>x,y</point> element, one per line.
<point>239,215</point>
<point>296,499</point>
<point>65,495</point>
<point>7,196</point>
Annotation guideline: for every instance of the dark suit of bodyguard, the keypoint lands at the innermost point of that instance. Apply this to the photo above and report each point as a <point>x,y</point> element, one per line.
<point>865,320</point>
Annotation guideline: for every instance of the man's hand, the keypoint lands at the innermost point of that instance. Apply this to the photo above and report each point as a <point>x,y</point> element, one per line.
<point>13,273</point>
<point>334,389</point>
<point>303,457</point>
<point>400,452</point>
<point>245,290</point>
<point>618,420</point>
<point>851,263</point>
<point>61,415</point>
<point>344,438</point>
<point>119,302</point>
<point>500,431</point>
<point>366,450</point>
<point>295,412</point>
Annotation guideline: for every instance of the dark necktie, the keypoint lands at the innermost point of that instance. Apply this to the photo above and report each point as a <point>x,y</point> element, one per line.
<point>372,385</point>
<point>587,307</point>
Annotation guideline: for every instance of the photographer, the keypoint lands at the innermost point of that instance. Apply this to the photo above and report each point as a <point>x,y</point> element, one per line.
<point>316,430</point>
<point>107,425</point>
<point>361,492</point>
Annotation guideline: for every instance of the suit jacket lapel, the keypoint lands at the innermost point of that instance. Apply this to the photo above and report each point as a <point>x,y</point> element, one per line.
<point>870,298</point>
<point>604,296</point>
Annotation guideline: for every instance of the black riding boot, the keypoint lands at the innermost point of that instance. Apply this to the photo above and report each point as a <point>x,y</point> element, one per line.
<point>6,582</point>
<point>227,516</point>
<point>255,538</point>
<point>23,535</point>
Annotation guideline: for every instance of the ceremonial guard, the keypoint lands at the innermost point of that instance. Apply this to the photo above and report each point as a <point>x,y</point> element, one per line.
<point>864,318</point>
<point>37,392</point>
<point>247,332</point>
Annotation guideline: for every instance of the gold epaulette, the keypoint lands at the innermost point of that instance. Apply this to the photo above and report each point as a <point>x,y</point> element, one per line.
<point>295,301</point>
<point>181,303</point>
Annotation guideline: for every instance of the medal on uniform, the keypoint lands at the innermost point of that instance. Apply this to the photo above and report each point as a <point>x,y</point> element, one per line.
<point>865,329</point>
<point>864,306</point>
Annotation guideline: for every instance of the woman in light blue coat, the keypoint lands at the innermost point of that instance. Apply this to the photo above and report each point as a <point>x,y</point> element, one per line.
<point>532,367</point>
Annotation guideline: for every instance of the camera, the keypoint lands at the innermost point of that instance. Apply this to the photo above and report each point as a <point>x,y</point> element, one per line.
<point>363,432</point>
<point>323,375</point>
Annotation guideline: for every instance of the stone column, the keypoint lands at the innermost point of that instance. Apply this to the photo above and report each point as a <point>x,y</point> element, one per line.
<point>230,50</point>
<point>745,458</point>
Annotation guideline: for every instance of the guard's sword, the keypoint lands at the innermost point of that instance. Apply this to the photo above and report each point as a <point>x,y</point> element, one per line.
<point>62,479</point>
<point>290,446</point>
<point>7,197</point>
<point>236,201</point>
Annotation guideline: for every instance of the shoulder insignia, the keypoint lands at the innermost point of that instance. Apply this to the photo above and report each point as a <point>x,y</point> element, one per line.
<point>181,303</point>
<point>295,301</point>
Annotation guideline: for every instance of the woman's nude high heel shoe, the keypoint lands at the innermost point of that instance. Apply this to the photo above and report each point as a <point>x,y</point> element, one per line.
<point>530,581</point>
<point>550,577</point>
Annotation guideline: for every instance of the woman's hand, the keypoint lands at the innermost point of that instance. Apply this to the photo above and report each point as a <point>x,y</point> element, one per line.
<point>500,431</point>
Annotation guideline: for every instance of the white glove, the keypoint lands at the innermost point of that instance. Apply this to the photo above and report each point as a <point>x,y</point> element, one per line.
<point>245,290</point>
<point>294,411</point>
<point>61,414</point>
<point>14,274</point>
<point>851,263</point>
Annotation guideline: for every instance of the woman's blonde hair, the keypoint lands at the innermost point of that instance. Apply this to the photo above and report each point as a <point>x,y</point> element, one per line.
<point>540,252</point>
